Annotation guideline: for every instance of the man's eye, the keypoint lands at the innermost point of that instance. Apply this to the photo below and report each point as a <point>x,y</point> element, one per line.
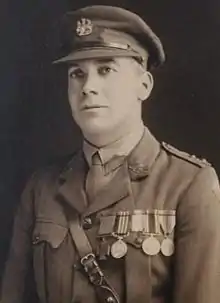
<point>104,70</point>
<point>76,74</point>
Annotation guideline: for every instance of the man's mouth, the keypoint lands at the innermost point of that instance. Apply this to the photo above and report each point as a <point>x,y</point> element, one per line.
<point>94,106</point>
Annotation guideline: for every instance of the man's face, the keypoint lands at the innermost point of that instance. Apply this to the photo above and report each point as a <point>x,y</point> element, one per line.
<point>104,94</point>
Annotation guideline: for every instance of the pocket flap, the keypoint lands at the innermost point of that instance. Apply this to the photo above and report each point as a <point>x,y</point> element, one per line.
<point>49,232</point>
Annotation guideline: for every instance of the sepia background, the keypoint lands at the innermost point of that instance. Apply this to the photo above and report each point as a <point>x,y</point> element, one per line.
<point>35,120</point>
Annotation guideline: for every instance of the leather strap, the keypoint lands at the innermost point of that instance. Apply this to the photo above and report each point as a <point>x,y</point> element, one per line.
<point>79,237</point>
<point>104,291</point>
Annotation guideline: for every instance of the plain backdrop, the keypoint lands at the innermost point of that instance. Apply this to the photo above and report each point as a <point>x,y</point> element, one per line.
<point>35,120</point>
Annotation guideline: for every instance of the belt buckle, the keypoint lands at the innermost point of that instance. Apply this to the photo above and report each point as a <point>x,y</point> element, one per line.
<point>92,269</point>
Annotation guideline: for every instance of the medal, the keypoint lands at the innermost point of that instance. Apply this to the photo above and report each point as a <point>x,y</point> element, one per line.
<point>167,247</point>
<point>119,249</point>
<point>156,222</point>
<point>167,222</point>
<point>151,224</point>
<point>146,223</point>
<point>122,224</point>
<point>151,246</point>
<point>137,220</point>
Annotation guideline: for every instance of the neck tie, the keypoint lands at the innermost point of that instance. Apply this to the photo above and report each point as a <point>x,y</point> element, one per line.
<point>95,177</point>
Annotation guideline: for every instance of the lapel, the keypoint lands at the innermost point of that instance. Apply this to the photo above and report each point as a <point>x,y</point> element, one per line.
<point>136,166</point>
<point>116,190</point>
<point>71,186</point>
<point>72,179</point>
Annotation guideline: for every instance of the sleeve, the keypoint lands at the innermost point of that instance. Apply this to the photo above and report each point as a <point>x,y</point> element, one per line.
<point>197,257</point>
<point>17,275</point>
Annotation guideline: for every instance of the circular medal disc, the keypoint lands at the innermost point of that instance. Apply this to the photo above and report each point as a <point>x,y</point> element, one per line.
<point>119,249</point>
<point>151,246</point>
<point>167,247</point>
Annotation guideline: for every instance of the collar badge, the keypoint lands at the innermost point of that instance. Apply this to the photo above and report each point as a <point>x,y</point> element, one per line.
<point>84,27</point>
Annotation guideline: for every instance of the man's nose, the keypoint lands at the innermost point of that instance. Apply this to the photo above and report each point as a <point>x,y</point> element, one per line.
<point>91,85</point>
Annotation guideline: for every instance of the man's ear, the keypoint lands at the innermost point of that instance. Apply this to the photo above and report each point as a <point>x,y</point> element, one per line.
<point>146,86</point>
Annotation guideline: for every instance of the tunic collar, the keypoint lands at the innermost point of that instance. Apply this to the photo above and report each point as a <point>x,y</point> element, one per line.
<point>119,148</point>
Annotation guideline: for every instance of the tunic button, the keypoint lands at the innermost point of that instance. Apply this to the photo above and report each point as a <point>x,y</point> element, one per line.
<point>36,239</point>
<point>87,223</point>
<point>110,300</point>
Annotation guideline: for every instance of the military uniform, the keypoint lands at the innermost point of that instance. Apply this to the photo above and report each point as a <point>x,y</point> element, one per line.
<point>153,177</point>
<point>154,227</point>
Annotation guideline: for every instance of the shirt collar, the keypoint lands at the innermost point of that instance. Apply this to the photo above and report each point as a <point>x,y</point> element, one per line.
<point>140,160</point>
<point>121,147</point>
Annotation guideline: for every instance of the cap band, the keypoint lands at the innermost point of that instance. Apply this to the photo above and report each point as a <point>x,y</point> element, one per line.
<point>103,44</point>
<point>96,45</point>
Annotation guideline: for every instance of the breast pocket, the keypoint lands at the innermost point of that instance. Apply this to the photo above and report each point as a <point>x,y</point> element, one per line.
<point>49,232</point>
<point>45,233</point>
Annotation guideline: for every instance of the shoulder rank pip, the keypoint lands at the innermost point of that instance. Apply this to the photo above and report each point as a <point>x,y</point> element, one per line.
<point>183,155</point>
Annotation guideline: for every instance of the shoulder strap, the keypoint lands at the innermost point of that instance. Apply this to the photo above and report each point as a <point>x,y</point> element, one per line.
<point>185,156</point>
<point>104,291</point>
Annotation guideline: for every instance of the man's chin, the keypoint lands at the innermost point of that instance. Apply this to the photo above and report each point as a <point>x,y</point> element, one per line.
<point>95,129</point>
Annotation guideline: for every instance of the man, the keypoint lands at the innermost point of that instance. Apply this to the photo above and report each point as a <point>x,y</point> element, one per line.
<point>127,219</point>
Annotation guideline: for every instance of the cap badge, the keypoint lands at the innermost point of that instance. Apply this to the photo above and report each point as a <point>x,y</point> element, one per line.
<point>84,27</point>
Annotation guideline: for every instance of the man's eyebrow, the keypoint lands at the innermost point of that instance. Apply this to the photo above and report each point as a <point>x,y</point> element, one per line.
<point>73,65</point>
